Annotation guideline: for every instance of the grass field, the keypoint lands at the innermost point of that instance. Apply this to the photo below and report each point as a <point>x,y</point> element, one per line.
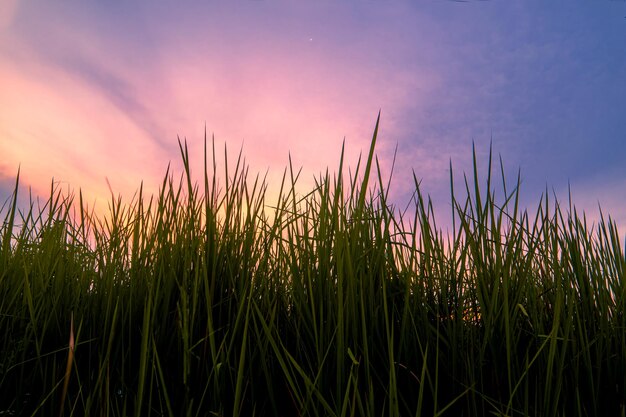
<point>211,300</point>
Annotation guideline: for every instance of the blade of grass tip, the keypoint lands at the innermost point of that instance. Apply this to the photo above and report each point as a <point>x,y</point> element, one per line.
<point>185,157</point>
<point>205,174</point>
<point>476,185</point>
<point>226,181</point>
<point>384,190</point>
<point>452,197</point>
<point>68,368</point>
<point>214,179</point>
<point>368,168</point>
<point>338,192</point>
<point>6,239</point>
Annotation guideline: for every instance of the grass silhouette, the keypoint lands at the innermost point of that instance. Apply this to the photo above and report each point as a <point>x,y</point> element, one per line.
<point>207,300</point>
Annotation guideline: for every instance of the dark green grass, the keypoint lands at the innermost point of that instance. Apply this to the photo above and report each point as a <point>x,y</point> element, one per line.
<point>209,300</point>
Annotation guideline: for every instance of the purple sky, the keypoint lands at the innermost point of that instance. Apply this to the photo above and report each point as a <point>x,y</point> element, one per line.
<point>92,90</point>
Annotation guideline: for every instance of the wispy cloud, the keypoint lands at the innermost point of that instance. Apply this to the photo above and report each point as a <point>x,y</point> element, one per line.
<point>104,90</point>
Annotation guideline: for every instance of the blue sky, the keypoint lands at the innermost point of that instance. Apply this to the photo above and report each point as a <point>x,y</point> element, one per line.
<point>95,90</point>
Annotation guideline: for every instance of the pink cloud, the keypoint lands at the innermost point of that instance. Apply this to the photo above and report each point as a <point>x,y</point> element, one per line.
<point>79,114</point>
<point>103,91</point>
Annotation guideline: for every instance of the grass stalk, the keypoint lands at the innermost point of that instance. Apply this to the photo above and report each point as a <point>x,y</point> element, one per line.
<point>209,299</point>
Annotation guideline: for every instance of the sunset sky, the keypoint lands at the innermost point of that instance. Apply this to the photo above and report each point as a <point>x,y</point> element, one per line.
<point>97,90</point>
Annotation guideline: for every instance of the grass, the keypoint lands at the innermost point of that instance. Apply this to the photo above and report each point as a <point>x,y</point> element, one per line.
<point>210,300</point>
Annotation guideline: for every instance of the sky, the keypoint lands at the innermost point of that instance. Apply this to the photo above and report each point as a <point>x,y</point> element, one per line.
<point>97,93</point>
